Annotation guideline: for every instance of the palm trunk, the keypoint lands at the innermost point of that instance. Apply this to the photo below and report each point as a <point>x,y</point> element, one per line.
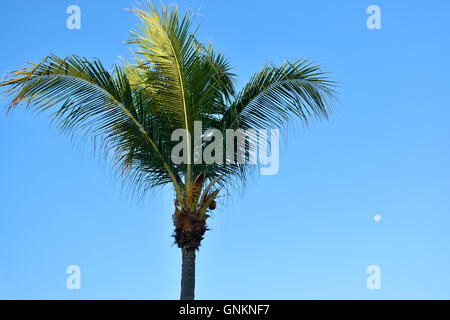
<point>188,274</point>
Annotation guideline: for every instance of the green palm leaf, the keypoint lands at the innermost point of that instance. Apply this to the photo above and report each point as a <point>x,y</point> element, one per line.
<point>83,95</point>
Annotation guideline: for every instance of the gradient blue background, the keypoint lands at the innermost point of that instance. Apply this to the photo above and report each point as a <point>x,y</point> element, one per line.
<point>307,232</point>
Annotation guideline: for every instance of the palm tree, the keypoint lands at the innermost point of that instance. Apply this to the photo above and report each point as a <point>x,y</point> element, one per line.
<point>131,111</point>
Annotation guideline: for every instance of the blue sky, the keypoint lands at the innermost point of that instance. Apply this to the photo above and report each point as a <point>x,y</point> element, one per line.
<point>307,232</point>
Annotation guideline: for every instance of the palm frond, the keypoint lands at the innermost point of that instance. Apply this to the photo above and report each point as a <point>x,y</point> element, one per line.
<point>168,47</point>
<point>83,95</point>
<point>276,95</point>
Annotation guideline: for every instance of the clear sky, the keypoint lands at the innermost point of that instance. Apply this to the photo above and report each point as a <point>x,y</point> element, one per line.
<point>309,231</point>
